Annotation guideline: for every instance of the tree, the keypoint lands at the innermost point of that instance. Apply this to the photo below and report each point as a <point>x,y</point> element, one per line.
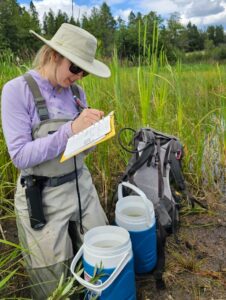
<point>195,40</point>
<point>216,34</point>
<point>49,25</point>
<point>175,30</point>
<point>211,33</point>
<point>15,23</point>
<point>34,16</point>
<point>120,38</point>
<point>131,19</point>
<point>102,25</point>
<point>60,19</point>
<point>73,22</point>
<point>132,38</point>
<point>173,38</point>
<point>9,12</point>
<point>108,24</point>
<point>219,35</point>
<point>151,21</point>
<point>91,23</point>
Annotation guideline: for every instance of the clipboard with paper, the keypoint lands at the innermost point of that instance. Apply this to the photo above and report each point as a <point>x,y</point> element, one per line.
<point>89,137</point>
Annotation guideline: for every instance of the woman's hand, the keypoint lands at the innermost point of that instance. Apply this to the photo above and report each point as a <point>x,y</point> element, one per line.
<point>87,118</point>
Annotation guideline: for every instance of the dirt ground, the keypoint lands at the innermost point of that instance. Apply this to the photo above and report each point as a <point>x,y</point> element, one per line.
<point>195,266</point>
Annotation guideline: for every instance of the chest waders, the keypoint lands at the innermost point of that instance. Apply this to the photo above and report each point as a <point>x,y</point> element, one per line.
<point>48,219</point>
<point>51,173</point>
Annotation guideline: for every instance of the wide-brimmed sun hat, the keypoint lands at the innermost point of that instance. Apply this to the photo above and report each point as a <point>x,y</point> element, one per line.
<point>79,46</point>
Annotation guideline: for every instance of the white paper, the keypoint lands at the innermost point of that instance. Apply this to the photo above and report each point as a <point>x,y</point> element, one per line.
<point>88,136</point>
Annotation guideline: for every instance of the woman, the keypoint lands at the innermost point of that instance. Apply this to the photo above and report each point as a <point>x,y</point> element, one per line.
<point>55,202</point>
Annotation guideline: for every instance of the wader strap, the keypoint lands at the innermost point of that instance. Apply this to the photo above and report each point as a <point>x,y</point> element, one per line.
<point>52,181</point>
<point>56,181</point>
<point>72,231</point>
<point>40,102</point>
<point>79,197</point>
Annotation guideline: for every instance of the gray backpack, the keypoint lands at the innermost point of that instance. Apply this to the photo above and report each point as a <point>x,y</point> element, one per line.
<point>155,168</point>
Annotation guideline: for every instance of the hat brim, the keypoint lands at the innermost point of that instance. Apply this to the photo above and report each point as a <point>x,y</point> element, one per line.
<point>95,67</point>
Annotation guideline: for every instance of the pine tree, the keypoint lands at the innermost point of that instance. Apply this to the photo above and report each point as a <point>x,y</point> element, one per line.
<point>9,24</point>
<point>35,18</point>
<point>61,18</point>
<point>15,23</point>
<point>102,25</point>
<point>49,25</point>
<point>107,24</point>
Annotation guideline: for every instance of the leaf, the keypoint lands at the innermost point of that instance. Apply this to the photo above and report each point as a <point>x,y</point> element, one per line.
<point>13,245</point>
<point>68,287</point>
<point>61,280</point>
<point>7,278</point>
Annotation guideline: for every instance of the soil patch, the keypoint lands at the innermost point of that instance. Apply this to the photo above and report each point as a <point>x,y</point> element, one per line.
<point>196,265</point>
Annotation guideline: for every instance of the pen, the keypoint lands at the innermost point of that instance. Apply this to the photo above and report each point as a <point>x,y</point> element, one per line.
<point>80,105</point>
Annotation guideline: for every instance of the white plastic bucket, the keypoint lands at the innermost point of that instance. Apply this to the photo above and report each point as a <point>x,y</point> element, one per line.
<point>108,248</point>
<point>136,214</point>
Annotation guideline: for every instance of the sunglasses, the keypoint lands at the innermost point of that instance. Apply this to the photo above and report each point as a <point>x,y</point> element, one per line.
<point>76,70</point>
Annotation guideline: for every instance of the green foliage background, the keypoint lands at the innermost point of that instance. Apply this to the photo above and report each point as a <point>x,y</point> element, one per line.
<point>174,38</point>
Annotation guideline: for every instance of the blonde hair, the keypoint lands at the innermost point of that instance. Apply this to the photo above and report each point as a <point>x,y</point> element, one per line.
<point>43,57</point>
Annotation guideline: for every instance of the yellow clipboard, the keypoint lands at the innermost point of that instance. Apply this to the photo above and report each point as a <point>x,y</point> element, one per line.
<point>106,137</point>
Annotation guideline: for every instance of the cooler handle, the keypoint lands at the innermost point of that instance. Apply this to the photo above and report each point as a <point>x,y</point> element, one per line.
<point>140,193</point>
<point>98,289</point>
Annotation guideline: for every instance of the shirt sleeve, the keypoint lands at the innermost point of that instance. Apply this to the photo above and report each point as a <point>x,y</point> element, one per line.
<point>17,127</point>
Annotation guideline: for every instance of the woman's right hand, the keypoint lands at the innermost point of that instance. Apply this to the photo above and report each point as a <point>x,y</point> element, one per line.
<point>87,118</point>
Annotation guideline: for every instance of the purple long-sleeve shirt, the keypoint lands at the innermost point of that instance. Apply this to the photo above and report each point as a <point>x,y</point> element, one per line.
<point>19,116</point>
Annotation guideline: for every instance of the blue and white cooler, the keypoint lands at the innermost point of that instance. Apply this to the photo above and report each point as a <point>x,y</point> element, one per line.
<point>107,250</point>
<point>136,214</point>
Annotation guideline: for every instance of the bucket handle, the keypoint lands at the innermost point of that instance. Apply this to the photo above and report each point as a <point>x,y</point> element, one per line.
<point>140,193</point>
<point>98,289</point>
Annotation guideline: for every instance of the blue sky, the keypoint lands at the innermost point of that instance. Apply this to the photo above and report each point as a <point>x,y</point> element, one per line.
<point>199,12</point>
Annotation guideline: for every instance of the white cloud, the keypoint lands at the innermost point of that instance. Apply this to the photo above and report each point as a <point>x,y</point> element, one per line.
<point>123,13</point>
<point>115,2</point>
<point>109,2</point>
<point>64,5</point>
<point>205,8</point>
<point>205,19</point>
<point>199,12</point>
<point>181,2</point>
<point>162,7</point>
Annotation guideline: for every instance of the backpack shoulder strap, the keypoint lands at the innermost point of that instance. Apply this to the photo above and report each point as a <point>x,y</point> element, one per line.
<point>145,156</point>
<point>40,102</point>
<point>160,266</point>
<point>147,152</point>
<point>159,165</point>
